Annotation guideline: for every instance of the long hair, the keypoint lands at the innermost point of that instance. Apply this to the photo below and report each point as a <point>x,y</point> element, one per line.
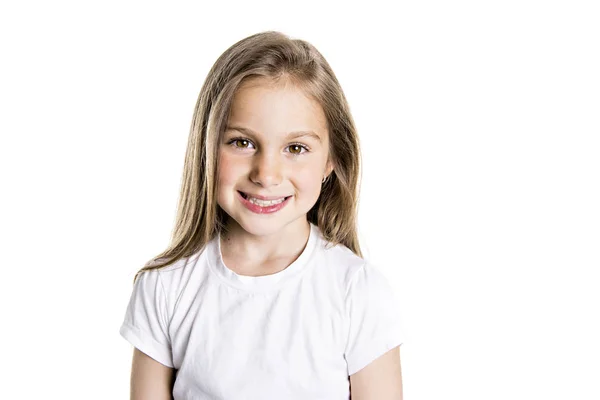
<point>280,58</point>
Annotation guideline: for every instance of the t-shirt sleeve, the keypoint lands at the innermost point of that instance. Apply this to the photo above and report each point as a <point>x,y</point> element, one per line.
<point>145,325</point>
<point>375,325</point>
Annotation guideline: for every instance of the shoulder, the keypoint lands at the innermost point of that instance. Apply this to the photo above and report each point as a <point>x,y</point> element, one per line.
<point>369,280</point>
<point>352,270</point>
<point>181,268</point>
<point>339,263</point>
<point>174,278</point>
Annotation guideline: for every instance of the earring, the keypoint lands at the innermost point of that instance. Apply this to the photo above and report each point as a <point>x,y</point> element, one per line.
<point>324,179</point>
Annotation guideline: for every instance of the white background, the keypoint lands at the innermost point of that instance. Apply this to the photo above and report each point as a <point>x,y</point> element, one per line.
<point>479,125</point>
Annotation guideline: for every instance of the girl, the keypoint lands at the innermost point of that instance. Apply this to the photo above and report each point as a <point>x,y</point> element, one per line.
<point>263,292</point>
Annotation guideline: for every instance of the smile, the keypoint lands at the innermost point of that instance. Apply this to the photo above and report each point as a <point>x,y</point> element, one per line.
<point>262,206</point>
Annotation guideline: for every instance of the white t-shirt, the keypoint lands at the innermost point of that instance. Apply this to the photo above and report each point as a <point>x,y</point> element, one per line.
<point>295,334</point>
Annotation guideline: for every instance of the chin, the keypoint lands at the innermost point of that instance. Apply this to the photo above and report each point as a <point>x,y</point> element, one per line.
<point>265,227</point>
<point>258,225</point>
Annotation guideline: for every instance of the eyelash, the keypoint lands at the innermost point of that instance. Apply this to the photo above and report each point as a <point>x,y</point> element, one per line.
<point>249,141</point>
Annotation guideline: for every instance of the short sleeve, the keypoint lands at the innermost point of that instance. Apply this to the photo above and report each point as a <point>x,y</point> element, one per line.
<point>145,324</point>
<point>373,311</point>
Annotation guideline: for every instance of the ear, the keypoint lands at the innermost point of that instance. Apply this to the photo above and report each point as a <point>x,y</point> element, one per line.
<point>328,168</point>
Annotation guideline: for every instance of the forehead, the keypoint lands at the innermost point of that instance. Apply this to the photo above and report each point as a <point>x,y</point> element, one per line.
<point>269,108</point>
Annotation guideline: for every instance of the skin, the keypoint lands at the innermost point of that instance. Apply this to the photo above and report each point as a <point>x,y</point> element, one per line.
<point>380,380</point>
<point>267,163</point>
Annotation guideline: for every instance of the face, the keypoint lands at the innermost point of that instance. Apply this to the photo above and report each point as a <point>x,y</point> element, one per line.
<point>259,155</point>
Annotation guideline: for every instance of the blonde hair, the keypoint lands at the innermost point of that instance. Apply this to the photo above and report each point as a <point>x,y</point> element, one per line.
<point>279,58</point>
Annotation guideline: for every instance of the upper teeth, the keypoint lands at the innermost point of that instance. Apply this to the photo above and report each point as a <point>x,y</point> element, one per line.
<point>264,203</point>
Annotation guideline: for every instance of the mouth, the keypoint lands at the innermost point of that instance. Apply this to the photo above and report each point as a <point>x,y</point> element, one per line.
<point>245,196</point>
<point>263,207</point>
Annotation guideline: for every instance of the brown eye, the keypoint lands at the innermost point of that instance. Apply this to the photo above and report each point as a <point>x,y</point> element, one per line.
<point>239,143</point>
<point>298,149</point>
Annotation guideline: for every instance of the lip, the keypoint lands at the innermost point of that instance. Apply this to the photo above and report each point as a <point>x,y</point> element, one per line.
<point>263,197</point>
<point>255,208</point>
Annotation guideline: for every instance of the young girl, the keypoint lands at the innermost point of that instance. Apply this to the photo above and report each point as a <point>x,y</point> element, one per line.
<point>263,292</point>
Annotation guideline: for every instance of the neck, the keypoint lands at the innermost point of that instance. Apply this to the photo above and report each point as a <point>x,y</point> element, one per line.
<point>252,248</point>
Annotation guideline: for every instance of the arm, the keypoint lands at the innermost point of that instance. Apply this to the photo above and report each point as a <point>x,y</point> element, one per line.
<point>150,380</point>
<point>380,380</point>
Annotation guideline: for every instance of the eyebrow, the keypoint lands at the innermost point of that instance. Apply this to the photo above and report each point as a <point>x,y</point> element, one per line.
<point>291,135</point>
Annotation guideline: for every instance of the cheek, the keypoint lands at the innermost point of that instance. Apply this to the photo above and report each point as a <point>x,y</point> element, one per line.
<point>309,180</point>
<point>229,171</point>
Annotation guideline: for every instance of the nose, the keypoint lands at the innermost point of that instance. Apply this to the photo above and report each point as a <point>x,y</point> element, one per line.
<point>266,170</point>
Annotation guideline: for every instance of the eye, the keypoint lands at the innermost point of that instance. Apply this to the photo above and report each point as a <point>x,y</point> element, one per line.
<point>298,149</point>
<point>243,143</point>
<point>237,141</point>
